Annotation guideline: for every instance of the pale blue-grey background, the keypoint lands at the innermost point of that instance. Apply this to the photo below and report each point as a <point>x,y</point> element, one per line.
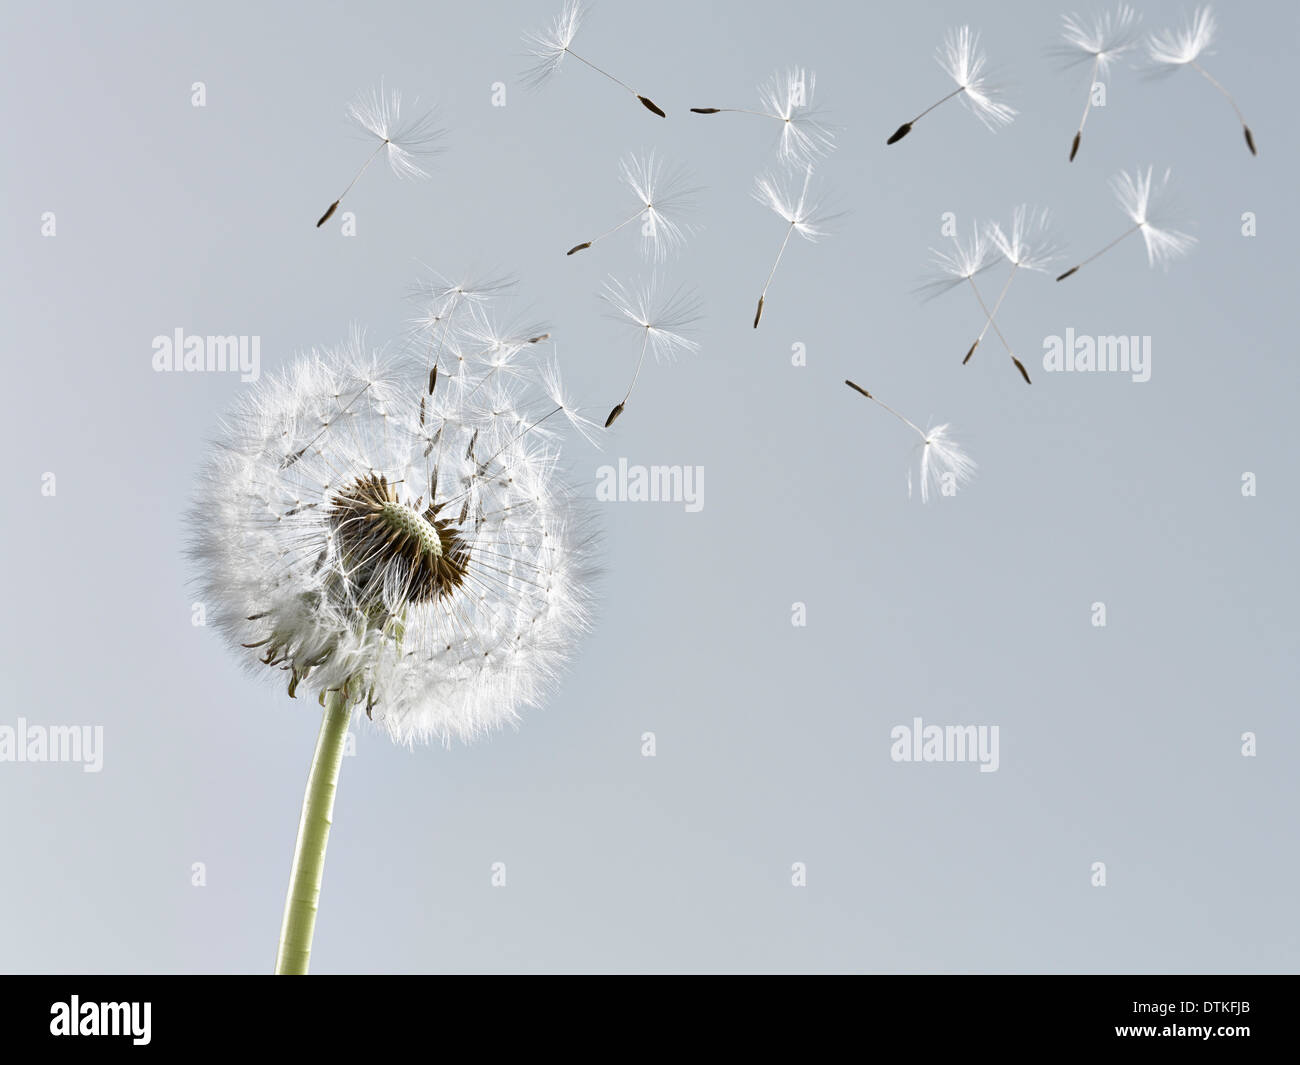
<point>1119,745</point>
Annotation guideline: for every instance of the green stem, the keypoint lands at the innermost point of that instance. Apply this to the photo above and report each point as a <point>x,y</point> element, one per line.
<point>313,835</point>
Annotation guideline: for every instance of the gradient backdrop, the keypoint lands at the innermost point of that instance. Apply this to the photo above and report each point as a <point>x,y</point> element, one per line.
<point>1120,744</point>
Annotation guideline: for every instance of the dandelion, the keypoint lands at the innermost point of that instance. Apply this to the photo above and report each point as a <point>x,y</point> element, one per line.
<point>551,45</point>
<point>1172,49</point>
<point>964,61</point>
<point>1154,212</point>
<point>804,212</point>
<point>405,142</point>
<point>1103,40</point>
<point>962,265</point>
<point>415,555</point>
<point>1030,244</point>
<point>664,196</point>
<point>663,318</point>
<point>941,457</point>
<point>787,98</point>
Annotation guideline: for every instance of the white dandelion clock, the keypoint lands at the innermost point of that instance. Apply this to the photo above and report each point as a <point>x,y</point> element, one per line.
<point>665,319</point>
<point>411,555</point>
<point>1171,50</point>
<point>1151,205</point>
<point>406,142</point>
<point>1030,243</point>
<point>788,97</point>
<point>548,48</point>
<point>794,199</point>
<point>944,465</point>
<point>963,60</point>
<point>665,195</point>
<point>1099,41</point>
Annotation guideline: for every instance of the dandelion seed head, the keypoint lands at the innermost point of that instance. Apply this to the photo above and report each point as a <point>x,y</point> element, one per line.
<point>406,142</point>
<point>550,45</point>
<point>1031,243</point>
<point>1168,50</point>
<point>666,316</point>
<point>1103,38</point>
<point>666,194</point>
<point>418,552</point>
<point>1152,205</point>
<point>965,62</point>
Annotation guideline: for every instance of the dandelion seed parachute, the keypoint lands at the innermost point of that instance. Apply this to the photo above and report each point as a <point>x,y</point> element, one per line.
<point>1152,206</point>
<point>804,211</point>
<point>406,143</point>
<point>941,455</point>
<point>1170,50</point>
<point>665,195</point>
<point>549,47</point>
<point>788,97</point>
<point>1101,40</point>
<point>664,318</point>
<point>963,60</point>
<point>416,552</point>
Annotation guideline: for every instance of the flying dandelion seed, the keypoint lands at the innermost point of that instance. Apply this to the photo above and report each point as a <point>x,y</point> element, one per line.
<point>663,318</point>
<point>1102,40</point>
<point>551,45</point>
<point>961,265</point>
<point>416,555</point>
<point>788,98</point>
<point>1172,49</point>
<point>964,61</point>
<point>804,212</point>
<point>1030,244</point>
<point>379,114</point>
<point>1154,211</point>
<point>941,456</point>
<point>664,195</point>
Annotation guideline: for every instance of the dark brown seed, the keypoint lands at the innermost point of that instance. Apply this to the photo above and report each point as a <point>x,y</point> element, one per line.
<point>970,353</point>
<point>1073,269</point>
<point>900,133</point>
<point>326,216</point>
<point>293,684</point>
<point>613,415</point>
<point>289,460</point>
<point>538,339</point>
<point>464,513</point>
<point>1023,372</point>
<point>421,410</point>
<point>433,379</point>
<point>1250,140</point>
<point>469,451</point>
<point>579,247</point>
<point>256,617</point>
<point>759,313</point>
<point>859,388</point>
<point>650,105</point>
<point>1074,148</point>
<point>706,110</point>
